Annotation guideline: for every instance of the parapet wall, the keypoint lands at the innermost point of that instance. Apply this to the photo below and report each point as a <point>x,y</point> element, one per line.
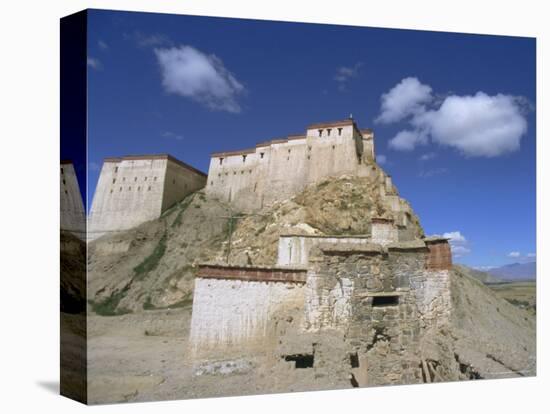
<point>135,189</point>
<point>278,169</point>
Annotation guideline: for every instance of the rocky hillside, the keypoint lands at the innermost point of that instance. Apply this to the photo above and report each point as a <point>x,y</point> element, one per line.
<point>153,265</point>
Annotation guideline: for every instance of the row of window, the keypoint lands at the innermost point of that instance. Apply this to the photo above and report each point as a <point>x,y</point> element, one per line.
<point>262,154</point>
<point>130,189</point>
<point>135,179</point>
<point>329,130</point>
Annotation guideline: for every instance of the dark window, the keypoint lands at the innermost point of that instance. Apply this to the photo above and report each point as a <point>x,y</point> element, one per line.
<point>135,179</point>
<point>211,182</point>
<point>354,360</point>
<point>114,180</point>
<point>261,154</point>
<point>320,132</point>
<point>328,131</point>
<point>116,169</point>
<point>62,170</point>
<point>289,151</point>
<point>339,131</point>
<point>149,188</point>
<point>145,179</point>
<point>129,188</point>
<point>221,161</point>
<point>244,158</point>
<point>301,360</point>
<point>385,300</point>
<point>139,188</point>
<point>308,157</point>
<point>64,182</point>
<point>66,192</point>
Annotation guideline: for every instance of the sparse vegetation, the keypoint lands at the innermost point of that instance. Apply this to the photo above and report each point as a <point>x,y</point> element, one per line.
<point>151,262</point>
<point>109,305</point>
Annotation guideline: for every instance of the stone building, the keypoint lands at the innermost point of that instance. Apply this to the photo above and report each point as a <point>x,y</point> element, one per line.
<point>72,216</point>
<point>276,170</point>
<point>135,189</point>
<point>366,300</point>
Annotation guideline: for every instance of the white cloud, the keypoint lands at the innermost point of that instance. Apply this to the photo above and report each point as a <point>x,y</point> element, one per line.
<point>514,254</point>
<point>459,244</point>
<point>433,172</point>
<point>408,140</point>
<point>345,73</point>
<point>102,45</point>
<point>188,72</point>
<point>173,135</point>
<point>406,98</point>
<point>428,156</point>
<point>381,159</point>
<point>148,40</point>
<point>94,63</point>
<point>477,125</point>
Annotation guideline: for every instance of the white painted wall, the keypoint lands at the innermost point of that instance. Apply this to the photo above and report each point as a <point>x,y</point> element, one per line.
<point>234,313</point>
<point>73,218</point>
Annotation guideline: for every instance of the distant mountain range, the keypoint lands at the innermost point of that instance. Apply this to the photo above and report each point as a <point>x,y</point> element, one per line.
<point>515,271</point>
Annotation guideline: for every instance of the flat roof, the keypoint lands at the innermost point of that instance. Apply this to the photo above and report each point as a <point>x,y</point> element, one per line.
<point>292,137</point>
<point>155,157</point>
<point>253,273</point>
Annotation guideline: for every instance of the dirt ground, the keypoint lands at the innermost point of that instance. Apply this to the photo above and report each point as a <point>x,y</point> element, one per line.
<point>142,357</point>
<point>521,294</point>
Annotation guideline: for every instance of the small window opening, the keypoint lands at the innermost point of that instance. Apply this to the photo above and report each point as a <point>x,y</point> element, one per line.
<point>149,188</point>
<point>320,132</point>
<point>116,169</point>
<point>334,146</point>
<point>145,179</point>
<point>123,178</point>
<point>154,178</point>
<point>309,148</point>
<point>242,172</point>
<point>308,157</point>
<point>221,161</point>
<point>64,182</point>
<point>300,360</point>
<point>62,170</point>
<point>354,360</point>
<point>244,158</point>
<point>385,300</point>
<point>250,171</point>
<point>211,182</point>
<point>289,151</point>
<point>120,189</point>
<point>261,154</point>
<point>66,192</point>
<point>129,188</point>
<point>114,180</point>
<point>328,131</point>
<point>139,188</point>
<point>339,131</point>
<point>135,179</point>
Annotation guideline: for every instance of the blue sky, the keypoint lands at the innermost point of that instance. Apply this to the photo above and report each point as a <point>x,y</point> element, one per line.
<point>453,114</point>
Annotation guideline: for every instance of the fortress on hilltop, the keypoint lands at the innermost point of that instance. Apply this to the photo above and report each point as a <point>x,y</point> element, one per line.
<point>275,170</point>
<point>134,189</point>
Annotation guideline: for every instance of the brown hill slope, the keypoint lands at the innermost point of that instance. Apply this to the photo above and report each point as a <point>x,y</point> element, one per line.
<point>153,265</point>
